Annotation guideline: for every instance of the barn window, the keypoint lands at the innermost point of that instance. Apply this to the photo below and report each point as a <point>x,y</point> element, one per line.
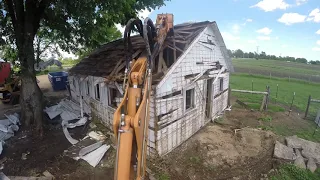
<point>221,84</point>
<point>88,87</point>
<point>189,98</point>
<point>97,92</point>
<point>113,94</point>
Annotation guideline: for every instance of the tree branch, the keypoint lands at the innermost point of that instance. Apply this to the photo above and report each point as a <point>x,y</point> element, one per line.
<point>39,14</point>
<point>10,9</point>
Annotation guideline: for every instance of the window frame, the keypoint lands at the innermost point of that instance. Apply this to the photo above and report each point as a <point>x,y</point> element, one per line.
<point>193,102</point>
<point>97,91</point>
<point>87,88</point>
<point>221,84</point>
<point>109,95</point>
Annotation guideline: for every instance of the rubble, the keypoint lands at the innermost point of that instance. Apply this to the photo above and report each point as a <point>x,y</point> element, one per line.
<point>94,157</point>
<point>67,109</point>
<point>97,135</point>
<point>309,150</point>
<point>8,127</point>
<point>311,165</point>
<point>283,152</point>
<point>299,162</point>
<point>89,150</point>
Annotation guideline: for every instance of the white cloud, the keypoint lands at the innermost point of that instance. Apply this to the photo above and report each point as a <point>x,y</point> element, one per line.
<point>271,5</point>
<point>284,46</point>
<point>318,42</point>
<point>249,20</point>
<point>318,32</point>
<point>141,14</point>
<point>314,15</point>
<point>252,41</point>
<point>300,2</point>
<point>264,38</point>
<point>120,28</point>
<point>276,38</point>
<point>316,49</point>
<point>235,28</point>
<point>144,13</point>
<point>229,36</point>
<point>265,31</point>
<point>292,18</point>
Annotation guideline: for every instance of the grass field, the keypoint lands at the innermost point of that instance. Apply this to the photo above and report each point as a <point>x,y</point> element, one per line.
<point>286,90</point>
<point>276,68</point>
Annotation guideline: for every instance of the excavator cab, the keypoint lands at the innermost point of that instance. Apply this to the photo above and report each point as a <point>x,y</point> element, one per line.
<point>131,118</point>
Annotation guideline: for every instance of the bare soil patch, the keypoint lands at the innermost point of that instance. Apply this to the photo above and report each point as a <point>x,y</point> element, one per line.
<point>217,152</point>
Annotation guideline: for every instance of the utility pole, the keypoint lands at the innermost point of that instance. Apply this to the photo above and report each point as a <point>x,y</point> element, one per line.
<point>257,52</point>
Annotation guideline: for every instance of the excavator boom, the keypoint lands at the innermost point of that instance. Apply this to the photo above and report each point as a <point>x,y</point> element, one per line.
<point>131,118</point>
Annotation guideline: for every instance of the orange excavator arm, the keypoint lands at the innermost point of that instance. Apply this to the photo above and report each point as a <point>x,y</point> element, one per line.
<point>131,118</point>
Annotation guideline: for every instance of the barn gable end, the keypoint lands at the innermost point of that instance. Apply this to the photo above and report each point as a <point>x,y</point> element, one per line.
<point>174,121</point>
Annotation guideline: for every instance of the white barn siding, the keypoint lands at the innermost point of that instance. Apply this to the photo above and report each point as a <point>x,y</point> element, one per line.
<point>178,126</point>
<point>97,108</point>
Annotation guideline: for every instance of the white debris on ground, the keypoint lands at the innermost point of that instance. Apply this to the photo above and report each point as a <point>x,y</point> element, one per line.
<point>308,157</point>
<point>68,111</point>
<point>8,127</point>
<point>65,125</point>
<point>89,150</point>
<point>97,135</point>
<point>94,157</point>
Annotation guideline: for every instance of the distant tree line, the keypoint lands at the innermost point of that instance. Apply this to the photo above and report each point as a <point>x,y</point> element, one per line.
<point>263,55</point>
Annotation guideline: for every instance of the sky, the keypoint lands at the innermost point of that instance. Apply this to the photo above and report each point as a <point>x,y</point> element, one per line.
<point>278,27</point>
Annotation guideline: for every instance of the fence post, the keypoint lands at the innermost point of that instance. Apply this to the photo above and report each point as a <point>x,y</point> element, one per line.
<point>267,98</point>
<point>294,94</point>
<point>263,102</point>
<point>307,109</point>
<point>277,92</point>
<point>270,75</point>
<point>229,96</point>
<point>252,85</point>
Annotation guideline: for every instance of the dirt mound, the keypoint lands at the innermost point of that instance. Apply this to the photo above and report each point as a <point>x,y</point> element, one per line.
<point>225,147</point>
<point>217,152</point>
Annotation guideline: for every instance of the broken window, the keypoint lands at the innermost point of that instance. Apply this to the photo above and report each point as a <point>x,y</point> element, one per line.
<point>113,94</point>
<point>97,92</point>
<point>189,97</point>
<point>221,84</point>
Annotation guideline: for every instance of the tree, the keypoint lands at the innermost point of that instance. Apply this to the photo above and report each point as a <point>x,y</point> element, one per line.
<point>230,53</point>
<point>251,55</point>
<point>72,21</point>
<point>100,35</point>
<point>238,53</point>
<point>263,55</point>
<point>301,60</point>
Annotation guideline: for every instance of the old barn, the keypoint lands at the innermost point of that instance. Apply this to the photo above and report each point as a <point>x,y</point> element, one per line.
<point>190,83</point>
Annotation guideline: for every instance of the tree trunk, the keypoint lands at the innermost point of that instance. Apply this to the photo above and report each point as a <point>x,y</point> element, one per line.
<point>31,98</point>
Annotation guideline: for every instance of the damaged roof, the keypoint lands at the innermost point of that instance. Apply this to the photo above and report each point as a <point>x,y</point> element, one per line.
<point>109,59</point>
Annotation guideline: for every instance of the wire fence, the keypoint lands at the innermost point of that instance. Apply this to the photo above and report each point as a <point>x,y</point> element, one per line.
<point>287,75</point>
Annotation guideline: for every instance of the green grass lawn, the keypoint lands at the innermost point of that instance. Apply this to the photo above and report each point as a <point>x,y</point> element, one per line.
<point>277,66</point>
<point>286,90</point>
<point>291,172</point>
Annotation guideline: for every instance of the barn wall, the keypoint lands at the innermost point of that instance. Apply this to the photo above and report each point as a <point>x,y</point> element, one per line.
<point>99,109</point>
<point>175,124</point>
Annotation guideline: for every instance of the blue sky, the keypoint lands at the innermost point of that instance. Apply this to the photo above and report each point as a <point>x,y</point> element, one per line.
<point>279,27</point>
